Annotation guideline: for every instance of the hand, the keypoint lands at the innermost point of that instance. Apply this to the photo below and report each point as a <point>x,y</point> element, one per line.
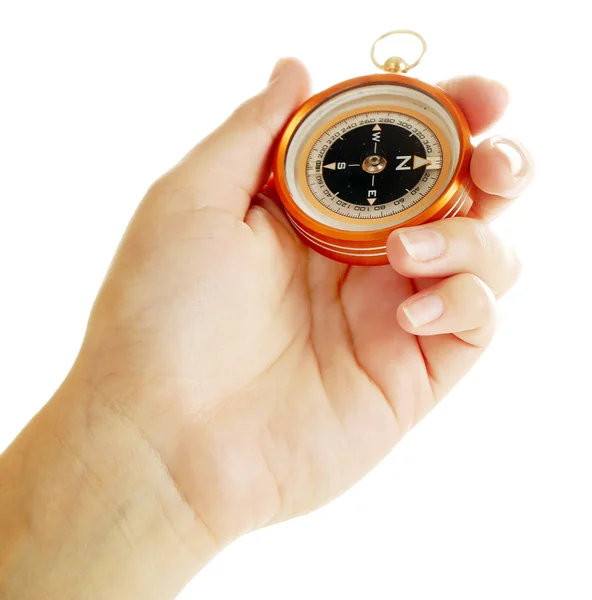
<point>267,377</point>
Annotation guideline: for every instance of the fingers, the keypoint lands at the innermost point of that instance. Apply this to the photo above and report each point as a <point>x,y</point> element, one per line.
<point>483,101</point>
<point>501,169</point>
<point>462,305</point>
<point>227,168</point>
<point>452,246</point>
<point>470,266</point>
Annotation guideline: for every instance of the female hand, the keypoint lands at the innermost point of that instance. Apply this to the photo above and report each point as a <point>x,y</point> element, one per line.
<point>267,378</point>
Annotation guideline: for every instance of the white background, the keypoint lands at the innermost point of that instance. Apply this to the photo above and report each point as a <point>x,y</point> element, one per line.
<point>490,496</point>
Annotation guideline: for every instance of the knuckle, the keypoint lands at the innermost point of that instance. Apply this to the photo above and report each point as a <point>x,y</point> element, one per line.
<point>486,333</point>
<point>484,239</point>
<point>256,111</point>
<point>483,299</point>
<point>498,261</point>
<point>160,187</point>
<point>484,313</point>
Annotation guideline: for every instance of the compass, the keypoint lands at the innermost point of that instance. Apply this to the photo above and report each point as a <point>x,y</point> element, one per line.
<point>369,155</point>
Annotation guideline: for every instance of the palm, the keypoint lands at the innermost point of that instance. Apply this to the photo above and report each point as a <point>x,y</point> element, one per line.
<point>310,382</point>
<point>343,386</point>
<point>330,383</point>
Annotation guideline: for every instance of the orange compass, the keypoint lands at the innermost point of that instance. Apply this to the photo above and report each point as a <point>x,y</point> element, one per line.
<point>369,155</point>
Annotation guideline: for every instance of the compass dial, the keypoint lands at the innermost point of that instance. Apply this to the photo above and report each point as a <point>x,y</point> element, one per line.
<point>374,164</point>
<point>367,156</point>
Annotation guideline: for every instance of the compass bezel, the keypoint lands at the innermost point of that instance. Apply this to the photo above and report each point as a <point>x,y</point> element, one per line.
<point>447,204</point>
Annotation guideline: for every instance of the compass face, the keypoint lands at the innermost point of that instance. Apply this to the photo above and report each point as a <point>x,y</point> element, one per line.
<point>374,164</point>
<point>371,157</point>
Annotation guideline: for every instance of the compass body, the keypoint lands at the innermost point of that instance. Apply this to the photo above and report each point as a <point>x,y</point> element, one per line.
<point>370,155</point>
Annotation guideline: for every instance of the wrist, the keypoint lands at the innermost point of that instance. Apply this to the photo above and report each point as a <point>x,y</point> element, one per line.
<point>89,505</point>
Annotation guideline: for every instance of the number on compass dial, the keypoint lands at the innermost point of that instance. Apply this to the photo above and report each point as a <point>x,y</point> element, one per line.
<point>375,169</point>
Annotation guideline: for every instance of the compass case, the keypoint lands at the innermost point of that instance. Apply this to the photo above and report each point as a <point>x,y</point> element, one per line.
<point>368,247</point>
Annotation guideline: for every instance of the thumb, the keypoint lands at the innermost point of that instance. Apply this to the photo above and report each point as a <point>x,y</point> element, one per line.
<point>227,168</point>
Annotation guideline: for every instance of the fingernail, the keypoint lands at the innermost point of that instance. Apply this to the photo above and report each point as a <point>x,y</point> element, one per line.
<point>424,310</point>
<point>517,156</point>
<point>423,244</point>
<point>276,70</point>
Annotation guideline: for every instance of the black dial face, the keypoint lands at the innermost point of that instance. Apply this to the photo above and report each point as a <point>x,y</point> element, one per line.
<point>374,164</point>
<point>377,158</point>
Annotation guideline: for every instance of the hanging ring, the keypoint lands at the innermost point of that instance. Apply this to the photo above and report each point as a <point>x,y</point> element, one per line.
<point>396,64</point>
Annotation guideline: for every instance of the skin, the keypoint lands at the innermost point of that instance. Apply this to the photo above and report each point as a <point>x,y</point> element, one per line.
<point>230,377</point>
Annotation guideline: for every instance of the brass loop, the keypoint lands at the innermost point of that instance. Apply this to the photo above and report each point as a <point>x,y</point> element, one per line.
<point>395,64</point>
